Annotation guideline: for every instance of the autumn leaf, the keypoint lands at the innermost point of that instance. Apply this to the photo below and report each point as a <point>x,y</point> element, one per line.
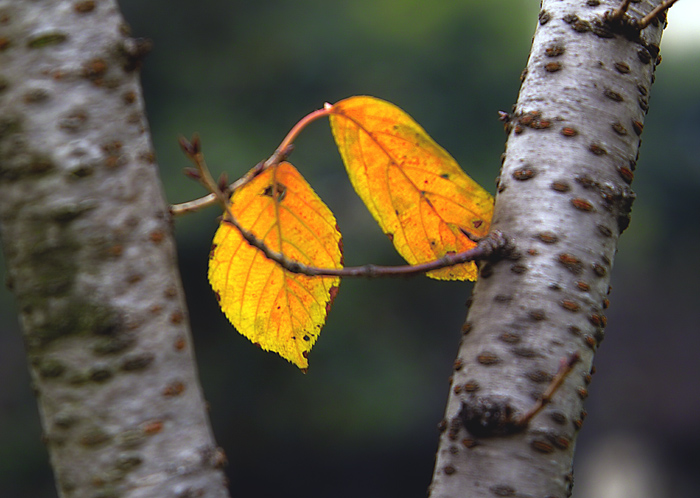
<point>278,310</point>
<point>415,190</point>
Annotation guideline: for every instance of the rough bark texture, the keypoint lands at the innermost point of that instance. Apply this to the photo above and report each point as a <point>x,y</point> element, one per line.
<point>564,197</point>
<point>87,239</point>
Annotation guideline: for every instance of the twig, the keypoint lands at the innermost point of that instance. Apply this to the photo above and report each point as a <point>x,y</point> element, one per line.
<point>494,243</point>
<point>491,245</point>
<point>281,153</point>
<point>647,19</point>
<point>617,14</point>
<point>206,201</point>
<point>565,367</point>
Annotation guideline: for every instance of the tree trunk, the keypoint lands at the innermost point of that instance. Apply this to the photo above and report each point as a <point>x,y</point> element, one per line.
<point>91,259</point>
<point>564,198</point>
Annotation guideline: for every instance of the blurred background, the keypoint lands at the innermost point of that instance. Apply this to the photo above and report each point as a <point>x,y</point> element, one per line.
<point>362,422</point>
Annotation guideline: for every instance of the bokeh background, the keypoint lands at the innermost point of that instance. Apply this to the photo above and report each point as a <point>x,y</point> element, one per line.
<point>362,422</point>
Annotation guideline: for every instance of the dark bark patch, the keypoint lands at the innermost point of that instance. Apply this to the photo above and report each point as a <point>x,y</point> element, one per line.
<point>638,127</point>
<point>137,361</point>
<point>570,305</point>
<point>47,39</point>
<point>548,237</point>
<point>524,173</point>
<point>582,204</point>
<point>554,50</point>
<point>502,490</point>
<point>571,263</point>
<point>582,286</point>
<point>488,416</point>
<point>525,352</point>
<point>509,338</point>
<point>599,270</point>
<point>619,128</point>
<point>488,358</point>
<point>85,6</point>
<point>553,67</point>
<point>569,132</point>
<point>560,186</point>
<point>626,174</point>
<point>597,149</point>
<point>558,417</point>
<point>539,376</point>
<point>622,67</point>
<point>94,437</point>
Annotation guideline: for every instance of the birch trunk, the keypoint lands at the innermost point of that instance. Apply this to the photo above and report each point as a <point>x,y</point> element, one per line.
<point>91,259</point>
<point>564,197</point>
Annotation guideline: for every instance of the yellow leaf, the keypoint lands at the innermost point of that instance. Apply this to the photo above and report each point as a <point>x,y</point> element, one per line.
<point>278,310</point>
<point>415,190</point>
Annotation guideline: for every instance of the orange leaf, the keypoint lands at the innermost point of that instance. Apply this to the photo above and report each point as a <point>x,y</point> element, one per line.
<point>415,190</point>
<point>278,310</point>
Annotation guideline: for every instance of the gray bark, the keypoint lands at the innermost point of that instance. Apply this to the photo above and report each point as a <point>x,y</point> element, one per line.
<point>91,259</point>
<point>564,198</point>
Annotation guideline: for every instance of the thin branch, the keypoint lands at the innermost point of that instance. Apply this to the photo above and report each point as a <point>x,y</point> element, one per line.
<point>281,153</point>
<point>207,200</point>
<point>493,244</point>
<point>647,19</point>
<point>565,368</point>
<point>617,14</point>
